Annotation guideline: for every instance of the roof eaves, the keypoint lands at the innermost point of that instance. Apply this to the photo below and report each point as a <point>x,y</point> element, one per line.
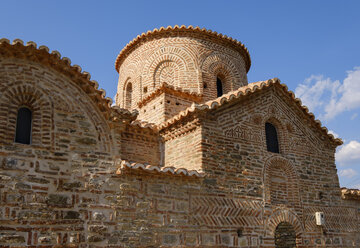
<point>246,91</point>
<point>126,165</point>
<point>188,29</point>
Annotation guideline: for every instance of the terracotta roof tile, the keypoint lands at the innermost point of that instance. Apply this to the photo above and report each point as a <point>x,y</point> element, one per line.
<point>190,30</point>
<point>177,91</point>
<point>125,165</point>
<point>350,194</point>
<point>246,91</point>
<point>144,124</point>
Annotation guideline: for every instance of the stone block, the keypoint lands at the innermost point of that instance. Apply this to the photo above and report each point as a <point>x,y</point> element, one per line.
<point>44,240</point>
<point>99,216</point>
<point>98,229</point>
<point>55,200</point>
<point>164,205</point>
<point>22,186</point>
<point>94,238</point>
<point>7,238</point>
<point>38,180</point>
<point>71,185</point>
<point>208,239</point>
<point>86,141</point>
<point>72,215</point>
<point>170,239</point>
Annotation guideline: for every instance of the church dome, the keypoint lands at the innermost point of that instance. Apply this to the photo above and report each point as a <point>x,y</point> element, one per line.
<point>192,60</point>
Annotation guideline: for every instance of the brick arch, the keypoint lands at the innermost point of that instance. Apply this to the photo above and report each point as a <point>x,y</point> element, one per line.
<point>281,215</point>
<point>274,118</point>
<point>25,94</point>
<point>81,103</point>
<point>281,183</point>
<point>167,72</point>
<point>185,65</point>
<point>126,101</point>
<point>218,65</point>
<point>130,70</point>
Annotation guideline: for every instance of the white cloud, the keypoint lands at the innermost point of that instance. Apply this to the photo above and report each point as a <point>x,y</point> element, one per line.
<point>330,97</point>
<point>350,95</point>
<point>348,173</point>
<point>312,91</point>
<point>114,100</point>
<point>348,154</point>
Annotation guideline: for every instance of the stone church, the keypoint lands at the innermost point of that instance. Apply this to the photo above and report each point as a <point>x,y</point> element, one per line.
<point>190,155</point>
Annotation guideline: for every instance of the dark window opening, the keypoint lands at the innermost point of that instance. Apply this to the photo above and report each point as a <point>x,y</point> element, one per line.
<point>128,98</point>
<point>285,235</point>
<point>23,126</point>
<point>219,87</point>
<point>271,138</point>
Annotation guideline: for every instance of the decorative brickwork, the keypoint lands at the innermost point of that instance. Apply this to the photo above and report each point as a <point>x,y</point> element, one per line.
<point>184,168</point>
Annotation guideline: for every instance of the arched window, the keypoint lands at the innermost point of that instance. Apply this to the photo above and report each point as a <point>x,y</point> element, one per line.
<point>271,138</point>
<point>128,96</point>
<point>23,126</point>
<point>285,235</point>
<point>219,87</point>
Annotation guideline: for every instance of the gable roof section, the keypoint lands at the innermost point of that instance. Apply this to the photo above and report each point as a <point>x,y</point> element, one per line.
<point>189,31</point>
<point>126,165</point>
<point>170,89</point>
<point>53,59</point>
<point>244,92</point>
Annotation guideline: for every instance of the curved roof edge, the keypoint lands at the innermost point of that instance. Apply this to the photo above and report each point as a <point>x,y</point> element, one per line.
<point>186,30</point>
<point>167,88</point>
<point>53,59</point>
<point>350,194</point>
<point>125,165</point>
<point>243,92</point>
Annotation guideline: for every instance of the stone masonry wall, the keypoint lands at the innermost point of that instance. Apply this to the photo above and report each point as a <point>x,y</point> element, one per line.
<point>162,108</point>
<point>141,145</point>
<point>174,105</point>
<point>41,184</point>
<point>183,151</point>
<point>67,188</point>
<point>301,180</point>
<point>154,110</point>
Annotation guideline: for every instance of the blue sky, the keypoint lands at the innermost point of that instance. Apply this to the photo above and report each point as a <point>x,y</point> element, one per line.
<point>312,46</point>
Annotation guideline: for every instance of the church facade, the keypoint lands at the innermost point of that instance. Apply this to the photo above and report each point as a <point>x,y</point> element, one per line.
<point>190,154</point>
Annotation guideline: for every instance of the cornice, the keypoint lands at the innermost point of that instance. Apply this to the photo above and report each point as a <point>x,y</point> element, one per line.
<point>183,31</point>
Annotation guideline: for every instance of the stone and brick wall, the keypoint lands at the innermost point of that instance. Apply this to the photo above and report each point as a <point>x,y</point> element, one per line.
<point>140,145</point>
<point>70,188</point>
<point>154,110</point>
<point>183,151</point>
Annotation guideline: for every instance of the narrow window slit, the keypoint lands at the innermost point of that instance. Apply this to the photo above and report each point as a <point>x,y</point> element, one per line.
<point>219,87</point>
<point>23,126</point>
<point>271,138</point>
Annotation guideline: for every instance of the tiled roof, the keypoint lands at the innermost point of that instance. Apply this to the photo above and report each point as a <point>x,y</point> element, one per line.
<point>181,31</point>
<point>243,92</point>
<point>144,124</point>
<point>125,165</point>
<point>177,91</point>
<point>54,60</point>
<point>350,194</point>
